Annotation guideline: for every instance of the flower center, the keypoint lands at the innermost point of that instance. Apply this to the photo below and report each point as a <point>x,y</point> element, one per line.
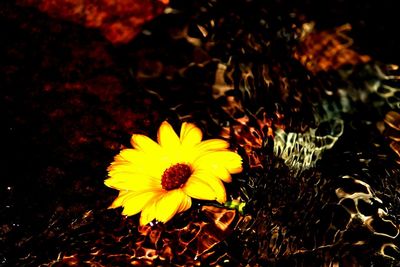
<point>175,176</point>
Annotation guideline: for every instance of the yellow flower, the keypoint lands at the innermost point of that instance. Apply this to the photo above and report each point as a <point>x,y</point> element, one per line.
<point>159,179</point>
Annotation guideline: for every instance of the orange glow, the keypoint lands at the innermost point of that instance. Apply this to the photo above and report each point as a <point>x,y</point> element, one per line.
<point>327,50</point>
<point>119,20</point>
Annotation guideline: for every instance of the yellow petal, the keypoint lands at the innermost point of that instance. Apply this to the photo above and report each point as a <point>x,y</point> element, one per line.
<point>214,183</point>
<point>133,155</point>
<point>190,135</point>
<point>145,144</point>
<point>149,211</point>
<point>192,153</point>
<point>134,203</point>
<point>217,170</point>
<point>196,188</point>
<point>229,160</point>
<point>120,199</point>
<point>133,181</point>
<point>212,145</point>
<point>167,137</point>
<point>186,204</point>
<point>170,203</point>
<point>133,160</point>
<point>129,167</point>
<point>222,174</point>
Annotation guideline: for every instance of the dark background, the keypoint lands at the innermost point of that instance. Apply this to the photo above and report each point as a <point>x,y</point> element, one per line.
<point>56,142</point>
<point>375,25</point>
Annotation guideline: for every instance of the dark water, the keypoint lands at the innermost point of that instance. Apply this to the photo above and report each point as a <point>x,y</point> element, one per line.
<point>71,99</point>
